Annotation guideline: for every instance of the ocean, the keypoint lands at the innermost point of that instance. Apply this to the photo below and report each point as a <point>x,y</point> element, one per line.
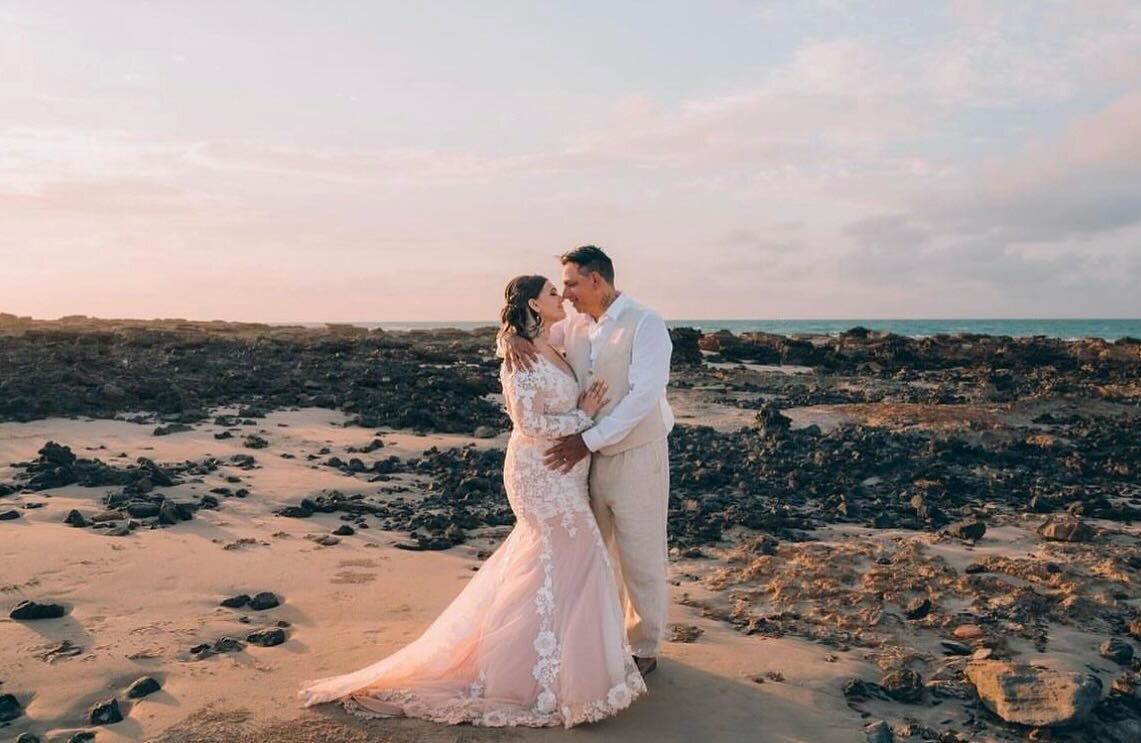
<point>1110,329</point>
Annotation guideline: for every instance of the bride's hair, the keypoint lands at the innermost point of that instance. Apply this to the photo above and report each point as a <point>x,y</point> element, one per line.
<point>517,316</point>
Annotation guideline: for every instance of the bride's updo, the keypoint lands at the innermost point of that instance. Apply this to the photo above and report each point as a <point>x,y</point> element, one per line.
<point>517,316</point>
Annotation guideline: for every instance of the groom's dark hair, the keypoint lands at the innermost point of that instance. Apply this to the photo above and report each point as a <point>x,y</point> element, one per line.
<point>590,259</point>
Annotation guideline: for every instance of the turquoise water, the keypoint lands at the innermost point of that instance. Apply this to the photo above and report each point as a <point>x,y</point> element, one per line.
<point>1108,329</point>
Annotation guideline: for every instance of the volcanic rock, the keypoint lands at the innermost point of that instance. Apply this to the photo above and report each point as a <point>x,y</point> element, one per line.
<point>972,529</point>
<point>1118,651</point>
<point>264,600</point>
<point>267,638</point>
<point>30,610</point>
<point>10,707</point>
<point>236,602</point>
<point>878,731</point>
<point>143,687</point>
<point>903,685</point>
<point>917,608</point>
<point>105,713</point>
<point>1066,529</point>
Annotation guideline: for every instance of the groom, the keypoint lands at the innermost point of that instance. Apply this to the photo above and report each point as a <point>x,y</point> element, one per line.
<point>627,346</point>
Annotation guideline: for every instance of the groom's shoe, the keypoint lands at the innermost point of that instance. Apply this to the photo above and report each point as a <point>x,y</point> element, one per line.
<point>646,666</point>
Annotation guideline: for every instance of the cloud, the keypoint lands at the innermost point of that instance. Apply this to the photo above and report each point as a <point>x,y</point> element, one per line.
<point>102,196</point>
<point>1061,215</point>
<point>400,166</point>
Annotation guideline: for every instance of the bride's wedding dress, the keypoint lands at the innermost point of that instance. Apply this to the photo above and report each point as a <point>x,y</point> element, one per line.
<point>537,637</point>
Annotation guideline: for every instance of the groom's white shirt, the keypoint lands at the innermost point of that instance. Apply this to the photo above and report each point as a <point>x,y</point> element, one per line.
<point>649,370</point>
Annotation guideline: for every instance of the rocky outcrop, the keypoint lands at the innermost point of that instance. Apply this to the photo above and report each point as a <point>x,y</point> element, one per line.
<point>1029,695</point>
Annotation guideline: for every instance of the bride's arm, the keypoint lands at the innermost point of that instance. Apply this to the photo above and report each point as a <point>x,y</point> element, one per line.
<point>525,398</point>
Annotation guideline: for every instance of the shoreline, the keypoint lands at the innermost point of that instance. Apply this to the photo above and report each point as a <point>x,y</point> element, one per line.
<point>1124,328</point>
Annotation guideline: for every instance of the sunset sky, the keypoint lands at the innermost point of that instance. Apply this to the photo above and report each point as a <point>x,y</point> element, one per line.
<point>393,161</point>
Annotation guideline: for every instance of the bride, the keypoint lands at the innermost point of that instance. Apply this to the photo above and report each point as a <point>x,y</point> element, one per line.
<point>537,638</point>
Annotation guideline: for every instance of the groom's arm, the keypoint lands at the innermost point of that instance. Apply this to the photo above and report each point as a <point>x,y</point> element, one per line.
<point>558,337</point>
<point>649,375</point>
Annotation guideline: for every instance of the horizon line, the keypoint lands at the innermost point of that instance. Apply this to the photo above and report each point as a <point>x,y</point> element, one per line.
<point>491,322</point>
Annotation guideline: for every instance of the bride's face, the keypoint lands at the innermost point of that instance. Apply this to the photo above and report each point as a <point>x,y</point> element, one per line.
<point>549,304</point>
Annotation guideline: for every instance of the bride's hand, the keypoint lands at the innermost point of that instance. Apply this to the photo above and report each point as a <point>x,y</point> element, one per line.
<point>519,354</point>
<point>594,399</point>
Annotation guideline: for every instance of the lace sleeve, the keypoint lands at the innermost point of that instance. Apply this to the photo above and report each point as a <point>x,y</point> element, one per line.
<point>525,396</point>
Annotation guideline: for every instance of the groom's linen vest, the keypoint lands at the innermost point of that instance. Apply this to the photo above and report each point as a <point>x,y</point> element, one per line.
<point>612,366</point>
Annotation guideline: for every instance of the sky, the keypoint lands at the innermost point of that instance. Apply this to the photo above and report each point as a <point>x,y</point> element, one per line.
<point>376,161</point>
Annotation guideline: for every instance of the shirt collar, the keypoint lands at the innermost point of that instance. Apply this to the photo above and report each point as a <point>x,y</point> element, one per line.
<point>616,308</point>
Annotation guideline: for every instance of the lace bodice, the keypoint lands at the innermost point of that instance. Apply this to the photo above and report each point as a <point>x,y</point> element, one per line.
<point>542,401</point>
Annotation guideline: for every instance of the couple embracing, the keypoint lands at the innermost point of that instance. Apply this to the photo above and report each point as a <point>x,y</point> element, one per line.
<point>561,624</point>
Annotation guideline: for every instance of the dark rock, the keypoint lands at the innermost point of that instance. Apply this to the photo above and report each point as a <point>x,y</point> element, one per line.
<point>1116,650</point>
<point>236,602</point>
<point>771,419</point>
<point>244,461</point>
<point>686,351</point>
<point>327,540</point>
<point>917,608</point>
<point>142,509</point>
<point>28,738</point>
<point>253,441</point>
<point>903,685</point>
<point>10,708</point>
<point>344,530</point>
<point>30,610</point>
<point>267,638</point>
<point>860,690</point>
<point>223,645</point>
<point>82,736</point>
<point>485,432</point>
<point>1066,529</point>
<point>951,647</point>
<point>143,687</point>
<point>227,645</point>
<point>9,515</point>
<point>223,435</point>
<point>878,731</point>
<point>105,713</point>
<point>264,600</point>
<point>172,428</point>
<point>1135,628</point>
<point>426,544</point>
<point>972,529</point>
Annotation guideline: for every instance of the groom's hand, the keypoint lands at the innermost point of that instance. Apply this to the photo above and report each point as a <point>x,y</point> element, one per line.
<point>564,455</point>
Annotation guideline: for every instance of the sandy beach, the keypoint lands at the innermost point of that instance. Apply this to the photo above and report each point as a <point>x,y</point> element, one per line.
<point>771,623</point>
<point>137,604</point>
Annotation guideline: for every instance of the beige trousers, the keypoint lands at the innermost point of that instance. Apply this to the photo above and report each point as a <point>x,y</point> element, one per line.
<point>629,494</point>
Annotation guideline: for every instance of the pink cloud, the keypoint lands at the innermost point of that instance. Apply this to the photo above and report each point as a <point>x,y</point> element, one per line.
<point>102,196</point>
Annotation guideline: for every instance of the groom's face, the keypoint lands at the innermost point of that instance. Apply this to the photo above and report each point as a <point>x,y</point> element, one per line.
<point>582,290</point>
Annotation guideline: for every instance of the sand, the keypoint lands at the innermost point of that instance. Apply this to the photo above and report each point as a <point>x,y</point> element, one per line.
<point>136,605</point>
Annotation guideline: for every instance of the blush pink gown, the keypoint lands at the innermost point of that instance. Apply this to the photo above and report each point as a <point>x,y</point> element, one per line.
<point>537,637</point>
